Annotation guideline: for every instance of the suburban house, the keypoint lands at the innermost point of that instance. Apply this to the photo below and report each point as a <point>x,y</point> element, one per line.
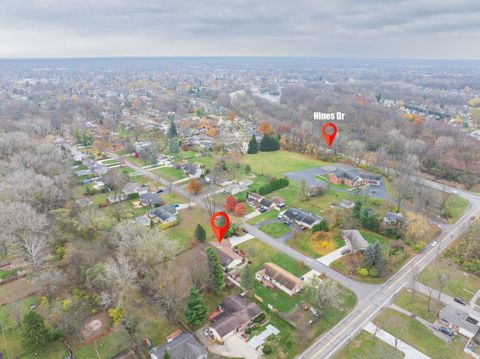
<point>233,189</point>
<point>192,171</point>
<point>354,240</point>
<point>233,315</point>
<point>132,188</point>
<point>259,202</point>
<point>300,217</point>
<point>165,214</point>
<point>184,346</point>
<point>280,278</point>
<point>392,218</point>
<point>228,257</point>
<point>354,178</point>
<point>279,202</point>
<point>459,321</point>
<point>151,199</point>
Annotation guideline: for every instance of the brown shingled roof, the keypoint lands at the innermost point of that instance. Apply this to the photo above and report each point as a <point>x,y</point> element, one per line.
<point>282,276</point>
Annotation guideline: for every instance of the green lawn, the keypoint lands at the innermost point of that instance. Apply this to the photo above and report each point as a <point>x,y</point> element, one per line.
<point>7,319</point>
<point>458,284</point>
<point>112,161</point>
<point>169,173</point>
<point>189,218</point>
<point>276,230</point>
<point>302,243</point>
<point>105,347</point>
<point>454,207</point>
<point>11,346</point>
<point>206,161</point>
<point>185,155</point>
<point>413,332</point>
<point>365,345</point>
<point>263,217</point>
<point>418,304</point>
<point>279,162</point>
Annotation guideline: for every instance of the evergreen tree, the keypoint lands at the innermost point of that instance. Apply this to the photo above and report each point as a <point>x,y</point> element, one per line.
<point>252,146</point>
<point>200,234</point>
<point>269,143</point>
<point>247,277</point>
<point>357,208</point>
<point>172,130</point>
<point>173,145</point>
<point>322,226</point>
<point>372,255</point>
<point>34,332</point>
<point>215,270</point>
<point>196,310</point>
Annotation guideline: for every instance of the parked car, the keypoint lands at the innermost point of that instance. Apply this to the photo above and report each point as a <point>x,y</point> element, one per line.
<point>245,230</point>
<point>434,243</point>
<point>345,251</point>
<point>287,223</point>
<point>446,331</point>
<point>262,210</point>
<point>460,301</point>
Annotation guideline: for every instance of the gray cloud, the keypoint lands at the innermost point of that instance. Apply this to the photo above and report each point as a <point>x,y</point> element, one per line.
<point>350,28</point>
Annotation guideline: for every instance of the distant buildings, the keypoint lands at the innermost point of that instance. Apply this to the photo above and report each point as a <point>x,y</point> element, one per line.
<point>354,178</point>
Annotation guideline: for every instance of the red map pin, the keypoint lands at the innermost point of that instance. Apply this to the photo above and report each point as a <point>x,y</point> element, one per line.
<point>219,231</point>
<point>329,137</point>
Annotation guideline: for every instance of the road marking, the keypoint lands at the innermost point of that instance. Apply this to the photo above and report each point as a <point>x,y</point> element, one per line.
<point>342,331</point>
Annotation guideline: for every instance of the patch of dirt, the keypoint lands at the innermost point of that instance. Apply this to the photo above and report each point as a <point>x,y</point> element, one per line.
<point>94,326</point>
<point>16,290</point>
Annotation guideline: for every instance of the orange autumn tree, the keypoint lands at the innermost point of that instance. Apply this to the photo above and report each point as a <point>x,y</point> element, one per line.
<point>240,210</point>
<point>212,132</point>
<point>194,186</point>
<point>265,129</point>
<point>231,116</point>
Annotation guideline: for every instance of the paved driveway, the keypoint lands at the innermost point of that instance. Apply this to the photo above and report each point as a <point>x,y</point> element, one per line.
<point>332,257</point>
<point>235,347</point>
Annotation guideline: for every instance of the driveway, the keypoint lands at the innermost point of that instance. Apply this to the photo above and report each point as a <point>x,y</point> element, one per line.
<point>235,347</point>
<point>332,257</point>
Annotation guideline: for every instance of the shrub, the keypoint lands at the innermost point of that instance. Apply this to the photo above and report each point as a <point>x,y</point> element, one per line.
<point>248,331</point>
<point>373,272</point>
<point>362,272</point>
<point>267,349</point>
<point>260,318</point>
<point>164,226</point>
<point>133,196</point>
<point>274,184</point>
<point>322,226</point>
<point>116,315</point>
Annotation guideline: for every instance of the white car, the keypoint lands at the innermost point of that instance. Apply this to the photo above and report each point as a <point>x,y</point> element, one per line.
<point>434,243</point>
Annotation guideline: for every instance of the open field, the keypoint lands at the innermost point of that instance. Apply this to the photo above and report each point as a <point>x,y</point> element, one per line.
<point>169,173</point>
<point>316,247</point>
<point>276,230</point>
<point>15,290</point>
<point>413,332</point>
<point>7,319</point>
<point>188,220</point>
<point>458,283</point>
<point>104,347</point>
<point>365,345</point>
<point>279,162</point>
<point>455,206</point>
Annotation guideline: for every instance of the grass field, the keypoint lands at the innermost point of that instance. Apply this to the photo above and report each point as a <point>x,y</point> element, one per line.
<point>315,248</point>
<point>413,332</point>
<point>458,284</point>
<point>104,347</point>
<point>263,217</point>
<point>455,206</point>
<point>365,345</point>
<point>189,218</point>
<point>12,348</point>
<point>7,319</point>
<point>279,162</point>
<point>276,230</point>
<point>185,155</point>
<point>169,173</point>
<point>417,304</point>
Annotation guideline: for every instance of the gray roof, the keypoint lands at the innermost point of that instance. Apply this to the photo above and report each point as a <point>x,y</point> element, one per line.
<point>150,198</point>
<point>185,346</point>
<point>460,318</point>
<point>295,214</point>
<point>355,238</point>
<point>162,213</point>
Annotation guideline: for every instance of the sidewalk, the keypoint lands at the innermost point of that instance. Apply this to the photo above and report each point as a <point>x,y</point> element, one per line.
<point>332,257</point>
<point>409,351</point>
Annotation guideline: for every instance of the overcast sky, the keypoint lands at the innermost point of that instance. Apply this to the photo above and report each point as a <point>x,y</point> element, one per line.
<point>333,28</point>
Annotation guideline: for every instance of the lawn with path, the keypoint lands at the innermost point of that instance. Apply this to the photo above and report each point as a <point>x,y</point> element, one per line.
<point>413,332</point>
<point>365,345</point>
<point>276,229</point>
<point>417,303</point>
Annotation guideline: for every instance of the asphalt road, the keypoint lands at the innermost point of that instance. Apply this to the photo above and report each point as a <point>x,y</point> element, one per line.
<point>371,298</point>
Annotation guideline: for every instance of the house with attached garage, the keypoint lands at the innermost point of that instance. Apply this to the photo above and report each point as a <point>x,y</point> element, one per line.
<point>354,240</point>
<point>191,171</point>
<point>133,188</point>
<point>233,315</point>
<point>259,202</point>
<point>300,217</point>
<point>228,258</point>
<point>165,214</point>
<point>151,199</point>
<point>272,274</point>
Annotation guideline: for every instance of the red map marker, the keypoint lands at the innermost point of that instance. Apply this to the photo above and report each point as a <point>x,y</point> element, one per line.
<point>329,138</point>
<point>219,231</point>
